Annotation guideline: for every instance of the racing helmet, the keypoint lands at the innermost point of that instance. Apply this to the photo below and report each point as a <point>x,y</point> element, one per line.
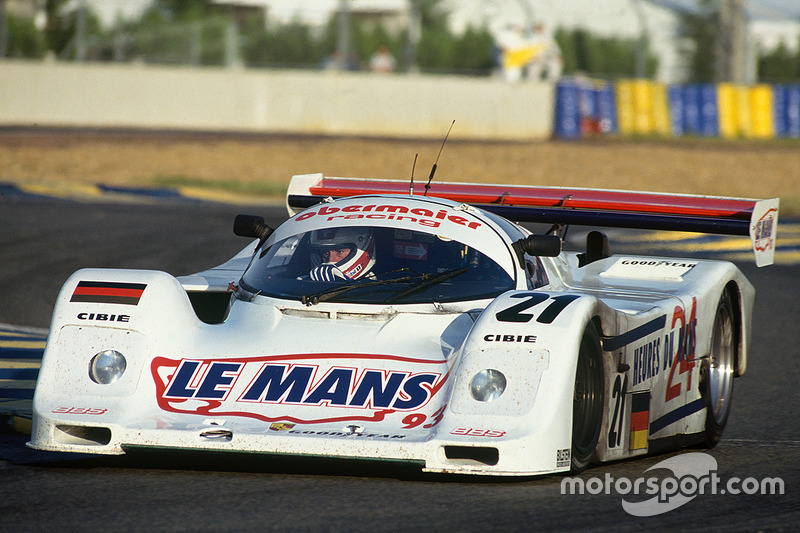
<point>361,249</point>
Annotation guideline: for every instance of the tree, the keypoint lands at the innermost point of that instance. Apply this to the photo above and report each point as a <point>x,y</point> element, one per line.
<point>700,30</point>
<point>23,39</point>
<point>779,66</point>
<point>183,10</point>
<point>441,50</point>
<point>583,52</point>
<point>715,35</point>
<point>290,45</point>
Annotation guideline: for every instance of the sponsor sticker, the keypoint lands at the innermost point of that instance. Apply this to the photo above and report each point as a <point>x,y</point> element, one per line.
<point>647,268</point>
<point>108,292</point>
<point>281,426</point>
<point>764,231</point>
<point>298,385</point>
<point>415,215</point>
<point>477,432</point>
<point>79,410</point>
<point>563,458</point>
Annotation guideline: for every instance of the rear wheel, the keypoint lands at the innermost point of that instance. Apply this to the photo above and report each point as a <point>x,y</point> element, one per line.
<point>587,407</point>
<point>716,375</point>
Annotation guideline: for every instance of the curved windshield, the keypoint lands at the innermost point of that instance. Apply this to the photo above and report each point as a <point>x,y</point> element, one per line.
<point>375,265</point>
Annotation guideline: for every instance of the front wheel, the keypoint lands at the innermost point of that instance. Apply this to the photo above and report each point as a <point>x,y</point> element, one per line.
<point>716,374</point>
<point>587,407</point>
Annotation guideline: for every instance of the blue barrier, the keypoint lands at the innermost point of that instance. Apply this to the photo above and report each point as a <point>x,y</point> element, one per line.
<point>779,117</point>
<point>700,110</point>
<point>590,107</point>
<point>584,108</point>
<point>568,115</point>
<point>691,109</point>
<point>786,110</point>
<point>709,110</point>
<point>606,108</point>
<point>792,111</point>
<point>677,109</point>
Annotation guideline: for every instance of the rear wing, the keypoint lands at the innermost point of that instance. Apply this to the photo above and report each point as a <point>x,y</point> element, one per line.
<point>757,219</point>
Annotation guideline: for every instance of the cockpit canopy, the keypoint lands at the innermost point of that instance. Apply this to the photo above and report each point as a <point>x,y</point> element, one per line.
<point>376,265</point>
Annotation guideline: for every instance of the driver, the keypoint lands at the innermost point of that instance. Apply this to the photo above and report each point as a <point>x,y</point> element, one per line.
<point>342,253</point>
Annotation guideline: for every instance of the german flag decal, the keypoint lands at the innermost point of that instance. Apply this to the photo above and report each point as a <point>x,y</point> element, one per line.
<point>108,292</point>
<point>640,420</point>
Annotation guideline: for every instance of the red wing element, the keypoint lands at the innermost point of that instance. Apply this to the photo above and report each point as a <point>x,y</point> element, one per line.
<point>589,207</point>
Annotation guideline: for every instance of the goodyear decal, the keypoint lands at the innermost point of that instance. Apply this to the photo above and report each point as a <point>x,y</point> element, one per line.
<point>283,388</point>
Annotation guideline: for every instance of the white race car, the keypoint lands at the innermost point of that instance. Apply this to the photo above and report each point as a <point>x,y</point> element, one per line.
<point>426,328</point>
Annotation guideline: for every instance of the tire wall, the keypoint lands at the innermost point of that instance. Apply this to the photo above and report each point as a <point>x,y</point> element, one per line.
<point>587,107</point>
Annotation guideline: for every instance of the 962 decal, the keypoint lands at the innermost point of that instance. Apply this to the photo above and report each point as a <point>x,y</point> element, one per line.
<point>477,432</point>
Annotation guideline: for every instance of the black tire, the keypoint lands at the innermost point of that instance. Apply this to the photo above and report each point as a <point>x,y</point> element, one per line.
<point>588,398</point>
<point>717,371</point>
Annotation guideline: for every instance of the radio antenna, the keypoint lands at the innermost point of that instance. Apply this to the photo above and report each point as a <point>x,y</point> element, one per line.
<point>413,166</point>
<point>435,163</point>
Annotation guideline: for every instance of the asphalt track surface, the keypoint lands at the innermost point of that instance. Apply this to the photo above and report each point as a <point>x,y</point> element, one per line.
<point>42,241</point>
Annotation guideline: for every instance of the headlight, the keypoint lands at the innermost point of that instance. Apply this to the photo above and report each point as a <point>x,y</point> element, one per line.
<point>107,367</point>
<point>487,385</point>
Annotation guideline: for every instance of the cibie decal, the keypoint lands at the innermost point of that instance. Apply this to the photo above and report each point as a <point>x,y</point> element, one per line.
<point>104,317</point>
<point>419,215</point>
<point>299,385</point>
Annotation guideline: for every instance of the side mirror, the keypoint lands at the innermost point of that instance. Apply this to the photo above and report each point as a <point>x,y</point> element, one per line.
<point>251,226</point>
<point>541,245</point>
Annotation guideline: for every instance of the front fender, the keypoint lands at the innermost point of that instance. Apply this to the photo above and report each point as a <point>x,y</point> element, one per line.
<point>131,311</point>
<point>533,339</point>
